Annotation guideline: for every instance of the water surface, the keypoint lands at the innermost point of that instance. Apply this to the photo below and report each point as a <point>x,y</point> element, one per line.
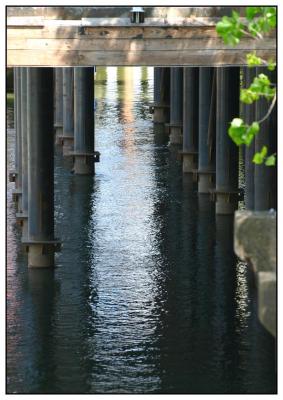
<point>147,296</point>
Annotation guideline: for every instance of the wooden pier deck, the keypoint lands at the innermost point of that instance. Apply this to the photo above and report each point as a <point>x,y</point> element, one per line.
<point>87,36</point>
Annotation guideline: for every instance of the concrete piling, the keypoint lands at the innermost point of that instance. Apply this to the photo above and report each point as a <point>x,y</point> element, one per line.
<point>226,193</point>
<point>22,216</point>
<point>58,122</point>
<point>265,177</point>
<point>157,84</point>
<point>13,173</point>
<point>68,110</point>
<point>40,243</point>
<point>161,106</point>
<point>190,118</point>
<point>17,192</point>
<point>176,105</point>
<point>84,154</point>
<point>207,129</point>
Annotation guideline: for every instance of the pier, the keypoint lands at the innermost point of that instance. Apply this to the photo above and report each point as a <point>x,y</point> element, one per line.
<point>122,196</point>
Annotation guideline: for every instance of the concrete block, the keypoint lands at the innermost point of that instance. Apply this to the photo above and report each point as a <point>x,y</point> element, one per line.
<point>255,242</point>
<point>255,239</point>
<point>266,283</point>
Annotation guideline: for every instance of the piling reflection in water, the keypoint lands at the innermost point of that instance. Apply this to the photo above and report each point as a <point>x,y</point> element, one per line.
<point>147,296</point>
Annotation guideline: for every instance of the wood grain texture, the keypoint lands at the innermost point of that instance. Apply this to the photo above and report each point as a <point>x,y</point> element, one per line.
<point>85,43</point>
<point>90,44</point>
<point>131,58</point>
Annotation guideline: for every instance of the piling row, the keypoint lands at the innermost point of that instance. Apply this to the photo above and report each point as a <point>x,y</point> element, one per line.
<point>194,105</point>
<point>51,107</point>
<point>203,102</point>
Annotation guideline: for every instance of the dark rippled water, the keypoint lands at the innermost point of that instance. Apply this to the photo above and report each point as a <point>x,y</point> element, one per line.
<point>147,296</point>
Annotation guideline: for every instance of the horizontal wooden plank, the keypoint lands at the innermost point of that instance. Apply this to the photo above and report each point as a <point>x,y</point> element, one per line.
<point>72,32</point>
<point>117,44</point>
<point>108,22</point>
<point>52,32</point>
<point>132,58</point>
<point>152,32</point>
<point>78,12</point>
<point>169,21</point>
<point>85,42</point>
<point>25,21</point>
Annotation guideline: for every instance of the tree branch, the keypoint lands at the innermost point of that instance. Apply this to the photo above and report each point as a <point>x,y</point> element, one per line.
<point>269,110</point>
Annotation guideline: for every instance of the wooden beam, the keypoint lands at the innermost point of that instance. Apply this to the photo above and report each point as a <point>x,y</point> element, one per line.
<point>35,41</point>
<point>77,12</point>
<point>137,32</point>
<point>109,22</point>
<point>131,58</point>
<point>118,44</point>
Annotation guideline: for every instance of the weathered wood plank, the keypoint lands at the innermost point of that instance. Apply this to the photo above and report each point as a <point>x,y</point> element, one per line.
<point>117,44</point>
<point>78,12</point>
<point>109,22</point>
<point>161,22</point>
<point>152,32</point>
<point>190,40</point>
<point>134,58</point>
<point>71,32</point>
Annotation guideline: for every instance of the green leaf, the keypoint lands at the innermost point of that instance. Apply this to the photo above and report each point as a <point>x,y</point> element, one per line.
<point>270,16</point>
<point>263,151</point>
<point>223,26</point>
<point>251,12</point>
<point>254,28</point>
<point>271,65</point>
<point>261,86</point>
<point>252,130</point>
<point>257,159</point>
<point>230,29</point>
<point>241,133</point>
<point>237,130</point>
<point>237,122</point>
<point>253,60</point>
<point>260,156</point>
<point>235,15</point>
<point>270,161</point>
<point>247,96</point>
<point>264,79</point>
<point>254,127</point>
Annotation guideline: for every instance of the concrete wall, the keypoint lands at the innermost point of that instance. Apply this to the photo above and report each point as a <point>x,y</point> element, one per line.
<point>255,242</point>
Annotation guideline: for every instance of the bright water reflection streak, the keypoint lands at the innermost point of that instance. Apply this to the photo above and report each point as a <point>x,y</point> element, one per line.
<point>148,296</point>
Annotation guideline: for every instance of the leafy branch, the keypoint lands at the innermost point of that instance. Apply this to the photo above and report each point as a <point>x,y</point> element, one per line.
<point>258,21</point>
